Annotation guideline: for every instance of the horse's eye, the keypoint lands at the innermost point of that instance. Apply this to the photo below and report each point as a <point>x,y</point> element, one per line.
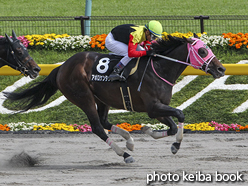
<point>203,52</point>
<point>19,50</point>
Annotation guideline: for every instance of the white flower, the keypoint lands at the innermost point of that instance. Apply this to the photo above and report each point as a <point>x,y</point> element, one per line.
<point>213,41</point>
<point>159,126</point>
<point>71,42</point>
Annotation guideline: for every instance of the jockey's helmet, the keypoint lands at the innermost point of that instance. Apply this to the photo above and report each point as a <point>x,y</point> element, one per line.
<point>155,28</point>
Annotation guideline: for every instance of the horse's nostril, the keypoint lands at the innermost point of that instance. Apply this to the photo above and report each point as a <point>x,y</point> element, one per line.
<point>221,69</point>
<point>37,69</point>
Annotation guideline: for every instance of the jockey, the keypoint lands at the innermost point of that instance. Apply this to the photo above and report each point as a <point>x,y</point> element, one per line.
<point>125,40</point>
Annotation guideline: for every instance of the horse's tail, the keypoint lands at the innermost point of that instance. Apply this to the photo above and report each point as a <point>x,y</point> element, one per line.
<point>38,93</point>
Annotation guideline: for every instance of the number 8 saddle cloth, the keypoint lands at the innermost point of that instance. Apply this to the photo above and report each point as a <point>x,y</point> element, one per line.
<point>104,65</point>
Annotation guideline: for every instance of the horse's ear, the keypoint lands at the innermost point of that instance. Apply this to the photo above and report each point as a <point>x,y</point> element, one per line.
<point>14,34</point>
<point>8,38</point>
<point>196,36</point>
<point>185,38</point>
<point>188,40</point>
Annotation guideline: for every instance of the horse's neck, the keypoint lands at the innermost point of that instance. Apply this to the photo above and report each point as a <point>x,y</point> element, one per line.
<point>172,70</point>
<point>1,64</point>
<point>3,55</point>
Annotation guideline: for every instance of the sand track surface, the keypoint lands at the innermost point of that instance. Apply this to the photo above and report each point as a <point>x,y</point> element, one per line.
<point>83,159</point>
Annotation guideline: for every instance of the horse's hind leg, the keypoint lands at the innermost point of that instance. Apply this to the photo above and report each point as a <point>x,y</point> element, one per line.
<point>102,110</point>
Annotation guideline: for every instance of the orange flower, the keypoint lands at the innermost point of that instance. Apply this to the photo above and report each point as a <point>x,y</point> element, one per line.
<point>98,41</point>
<point>4,127</point>
<point>237,40</point>
<point>232,41</point>
<point>129,127</point>
<point>237,46</point>
<point>242,128</point>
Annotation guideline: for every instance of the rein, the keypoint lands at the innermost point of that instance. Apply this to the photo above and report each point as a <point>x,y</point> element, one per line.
<point>193,57</point>
<point>166,81</point>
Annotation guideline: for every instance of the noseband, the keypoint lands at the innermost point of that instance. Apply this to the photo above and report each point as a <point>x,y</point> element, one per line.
<point>193,58</point>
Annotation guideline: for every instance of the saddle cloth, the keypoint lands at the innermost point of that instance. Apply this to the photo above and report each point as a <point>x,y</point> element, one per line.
<point>104,65</point>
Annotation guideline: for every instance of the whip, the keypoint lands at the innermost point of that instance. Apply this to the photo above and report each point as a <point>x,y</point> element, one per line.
<point>144,74</point>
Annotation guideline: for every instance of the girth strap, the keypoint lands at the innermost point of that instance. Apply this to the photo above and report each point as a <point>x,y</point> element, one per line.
<point>126,96</point>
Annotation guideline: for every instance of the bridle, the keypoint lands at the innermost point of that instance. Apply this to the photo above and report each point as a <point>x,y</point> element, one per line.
<point>21,66</point>
<point>193,58</point>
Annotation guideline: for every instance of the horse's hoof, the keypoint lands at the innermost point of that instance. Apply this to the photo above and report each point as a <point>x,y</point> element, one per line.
<point>130,144</point>
<point>129,159</point>
<point>175,147</point>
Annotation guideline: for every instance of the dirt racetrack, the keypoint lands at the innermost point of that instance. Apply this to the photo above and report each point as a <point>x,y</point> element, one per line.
<point>83,159</point>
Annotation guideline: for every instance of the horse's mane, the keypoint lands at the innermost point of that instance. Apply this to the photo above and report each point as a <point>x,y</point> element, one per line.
<point>167,44</point>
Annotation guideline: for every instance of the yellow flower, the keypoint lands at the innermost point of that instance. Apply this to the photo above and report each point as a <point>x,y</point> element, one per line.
<point>204,126</point>
<point>181,35</point>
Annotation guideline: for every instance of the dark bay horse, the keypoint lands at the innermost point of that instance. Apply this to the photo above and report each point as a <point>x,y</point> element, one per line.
<point>14,54</point>
<point>73,79</point>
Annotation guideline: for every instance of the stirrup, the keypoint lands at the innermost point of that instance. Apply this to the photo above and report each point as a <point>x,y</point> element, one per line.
<point>117,74</point>
<point>122,78</point>
<point>114,77</point>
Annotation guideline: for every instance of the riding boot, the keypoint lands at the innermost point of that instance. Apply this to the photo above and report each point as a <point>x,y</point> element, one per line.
<point>116,74</point>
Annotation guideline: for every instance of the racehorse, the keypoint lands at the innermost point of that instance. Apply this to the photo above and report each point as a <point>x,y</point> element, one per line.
<point>14,54</point>
<point>158,75</point>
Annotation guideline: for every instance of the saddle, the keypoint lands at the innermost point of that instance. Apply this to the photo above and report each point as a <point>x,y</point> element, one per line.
<point>104,65</point>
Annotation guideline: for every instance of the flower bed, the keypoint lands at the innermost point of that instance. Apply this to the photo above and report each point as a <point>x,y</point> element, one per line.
<point>66,42</point>
<point>238,40</point>
<point>204,126</point>
<point>97,42</point>
<point>129,127</point>
<point>214,126</point>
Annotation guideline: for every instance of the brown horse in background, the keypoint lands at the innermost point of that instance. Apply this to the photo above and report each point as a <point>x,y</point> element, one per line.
<point>74,80</point>
<point>14,54</point>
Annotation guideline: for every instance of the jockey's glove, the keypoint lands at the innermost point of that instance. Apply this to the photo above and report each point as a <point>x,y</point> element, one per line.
<point>150,53</point>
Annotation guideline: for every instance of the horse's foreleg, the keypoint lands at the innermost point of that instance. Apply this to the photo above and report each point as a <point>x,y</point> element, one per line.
<point>125,134</point>
<point>97,129</point>
<point>101,133</point>
<point>157,134</point>
<point>102,110</point>
<point>87,104</point>
<point>154,134</point>
<point>179,137</point>
<point>160,110</point>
